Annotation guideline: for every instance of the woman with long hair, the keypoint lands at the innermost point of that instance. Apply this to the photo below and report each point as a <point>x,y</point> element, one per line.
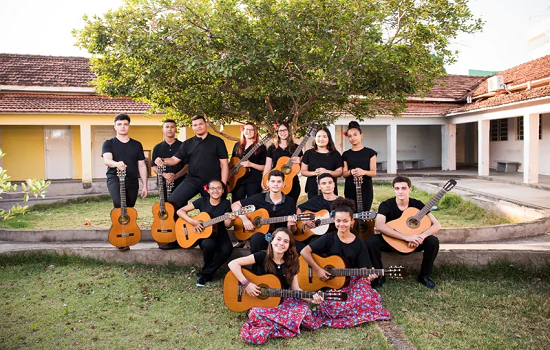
<point>285,320</point>
<point>364,304</point>
<point>321,158</point>
<point>359,162</point>
<point>283,146</point>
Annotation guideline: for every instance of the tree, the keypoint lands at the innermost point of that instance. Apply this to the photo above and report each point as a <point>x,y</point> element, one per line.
<point>30,186</point>
<point>267,61</point>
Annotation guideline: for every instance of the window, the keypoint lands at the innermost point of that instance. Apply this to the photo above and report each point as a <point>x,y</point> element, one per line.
<point>519,128</point>
<point>499,130</point>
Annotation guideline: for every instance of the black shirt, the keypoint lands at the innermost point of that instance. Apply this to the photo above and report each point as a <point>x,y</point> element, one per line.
<point>130,153</point>
<point>203,157</point>
<point>165,150</point>
<point>258,268</point>
<point>277,152</point>
<point>355,252</point>
<point>359,159</point>
<point>258,157</point>
<point>315,204</point>
<point>203,204</point>
<point>313,159</point>
<point>285,207</point>
<point>391,211</point>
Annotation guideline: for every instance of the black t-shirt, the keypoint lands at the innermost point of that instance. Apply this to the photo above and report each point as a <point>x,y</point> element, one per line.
<point>277,152</point>
<point>203,157</point>
<point>258,268</point>
<point>165,150</point>
<point>355,252</point>
<point>359,159</point>
<point>391,211</point>
<point>203,204</point>
<point>315,204</point>
<point>130,153</point>
<point>313,159</point>
<point>258,157</point>
<point>287,206</point>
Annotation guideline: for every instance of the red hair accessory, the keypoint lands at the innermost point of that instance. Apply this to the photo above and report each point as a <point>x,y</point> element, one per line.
<point>242,128</point>
<point>205,187</point>
<point>276,126</point>
<point>345,133</point>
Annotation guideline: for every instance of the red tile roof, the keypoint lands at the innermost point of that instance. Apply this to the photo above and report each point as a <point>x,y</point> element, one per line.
<point>33,70</point>
<point>46,103</point>
<point>454,86</point>
<point>428,108</point>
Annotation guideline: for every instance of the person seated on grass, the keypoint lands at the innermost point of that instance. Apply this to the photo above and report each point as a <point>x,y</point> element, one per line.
<point>392,209</point>
<point>217,248</point>
<point>285,320</point>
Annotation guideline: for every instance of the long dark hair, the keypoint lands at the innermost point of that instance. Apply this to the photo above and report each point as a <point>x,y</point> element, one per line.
<point>330,146</point>
<point>291,145</point>
<point>242,142</point>
<point>290,257</point>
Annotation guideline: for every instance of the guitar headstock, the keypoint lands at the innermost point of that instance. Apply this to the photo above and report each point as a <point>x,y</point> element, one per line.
<point>246,210</point>
<point>312,130</point>
<point>266,138</point>
<point>336,296</point>
<point>449,185</point>
<point>305,216</point>
<point>358,181</point>
<point>365,215</point>
<point>121,173</point>
<point>396,272</point>
<point>161,169</point>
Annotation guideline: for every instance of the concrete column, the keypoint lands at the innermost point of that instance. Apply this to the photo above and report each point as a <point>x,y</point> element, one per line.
<point>531,148</point>
<point>86,152</point>
<point>391,140</point>
<point>483,140</point>
<point>448,147</point>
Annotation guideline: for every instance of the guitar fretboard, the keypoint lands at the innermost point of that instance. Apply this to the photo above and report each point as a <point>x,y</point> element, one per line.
<point>430,204</point>
<point>301,145</point>
<point>160,185</point>
<point>328,221</point>
<point>356,272</point>
<point>220,218</point>
<point>359,193</point>
<point>122,196</point>
<point>249,154</point>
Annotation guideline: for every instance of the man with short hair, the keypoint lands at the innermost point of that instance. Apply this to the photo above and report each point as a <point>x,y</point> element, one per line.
<point>124,153</point>
<point>392,209</point>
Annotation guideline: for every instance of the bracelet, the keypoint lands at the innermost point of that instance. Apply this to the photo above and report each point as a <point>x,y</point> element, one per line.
<point>245,283</point>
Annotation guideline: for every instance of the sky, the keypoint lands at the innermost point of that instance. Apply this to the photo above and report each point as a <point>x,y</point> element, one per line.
<point>44,27</point>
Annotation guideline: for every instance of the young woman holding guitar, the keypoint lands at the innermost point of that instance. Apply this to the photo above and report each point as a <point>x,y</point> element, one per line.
<point>284,321</point>
<point>283,146</point>
<point>217,248</point>
<point>321,158</point>
<point>363,303</point>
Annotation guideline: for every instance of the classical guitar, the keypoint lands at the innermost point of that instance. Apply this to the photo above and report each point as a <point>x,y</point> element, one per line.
<point>236,171</point>
<point>323,221</point>
<point>169,188</point>
<point>187,235</point>
<point>163,229</point>
<point>261,220</point>
<point>362,229</point>
<point>124,230</point>
<point>285,164</point>
<point>236,299</point>
<point>413,221</point>
<point>337,267</point>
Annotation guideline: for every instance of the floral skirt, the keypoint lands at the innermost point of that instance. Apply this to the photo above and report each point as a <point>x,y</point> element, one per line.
<point>283,321</point>
<point>364,304</point>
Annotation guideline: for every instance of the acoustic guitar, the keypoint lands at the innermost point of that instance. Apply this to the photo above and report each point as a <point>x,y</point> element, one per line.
<point>236,299</point>
<point>163,228</point>
<point>236,171</point>
<point>362,229</point>
<point>413,221</point>
<point>124,230</point>
<point>187,235</point>
<point>285,164</point>
<point>323,221</point>
<point>261,220</point>
<point>337,267</point>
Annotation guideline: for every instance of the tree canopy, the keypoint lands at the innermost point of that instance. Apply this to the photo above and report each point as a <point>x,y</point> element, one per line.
<point>267,61</point>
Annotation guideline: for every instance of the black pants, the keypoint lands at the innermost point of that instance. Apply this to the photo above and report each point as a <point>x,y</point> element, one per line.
<point>242,191</point>
<point>188,189</point>
<point>258,243</point>
<point>215,251</point>
<point>376,244</point>
<point>132,188</point>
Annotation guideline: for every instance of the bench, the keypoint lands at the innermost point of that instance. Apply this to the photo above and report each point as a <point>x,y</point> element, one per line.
<point>504,166</point>
<point>415,163</point>
<point>381,166</point>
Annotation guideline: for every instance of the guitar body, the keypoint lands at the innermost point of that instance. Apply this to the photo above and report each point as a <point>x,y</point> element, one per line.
<point>124,231</point>
<point>255,217</point>
<point>403,226</point>
<point>304,232</point>
<point>289,171</point>
<point>186,234</point>
<point>310,281</point>
<point>233,179</point>
<point>236,298</point>
<point>363,229</point>
<point>163,229</point>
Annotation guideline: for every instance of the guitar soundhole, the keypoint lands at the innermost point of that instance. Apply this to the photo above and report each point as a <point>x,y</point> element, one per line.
<point>163,215</point>
<point>263,292</point>
<point>123,220</point>
<point>413,222</point>
<point>328,268</point>
<point>257,222</point>
<point>286,169</point>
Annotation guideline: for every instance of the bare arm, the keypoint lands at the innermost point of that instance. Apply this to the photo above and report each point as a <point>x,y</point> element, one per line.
<point>143,175</point>
<point>306,254</point>
<point>224,164</point>
<point>305,172</point>
<point>268,165</point>
<point>236,267</point>
<point>346,172</point>
<point>108,160</point>
<point>167,161</point>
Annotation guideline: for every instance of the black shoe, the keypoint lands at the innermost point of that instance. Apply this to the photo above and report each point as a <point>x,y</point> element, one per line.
<point>377,283</point>
<point>201,280</point>
<point>173,245</point>
<point>425,280</point>
<point>123,249</point>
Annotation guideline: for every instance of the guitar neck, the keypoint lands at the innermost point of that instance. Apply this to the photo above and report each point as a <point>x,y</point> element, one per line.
<point>289,293</point>
<point>123,197</point>
<point>356,272</point>
<point>218,219</point>
<point>160,185</point>
<point>359,193</point>
<point>430,204</point>
<point>300,146</point>
<point>274,220</point>
<point>251,152</point>
<point>329,221</point>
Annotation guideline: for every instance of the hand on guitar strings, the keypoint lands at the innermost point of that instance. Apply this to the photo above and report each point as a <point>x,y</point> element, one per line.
<point>323,274</point>
<point>253,290</point>
<point>317,298</point>
<point>296,160</point>
<point>372,276</point>
<point>245,164</point>
<point>310,223</point>
<point>248,225</point>
<point>198,225</point>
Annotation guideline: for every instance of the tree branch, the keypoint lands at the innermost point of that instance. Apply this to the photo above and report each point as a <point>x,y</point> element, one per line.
<point>218,131</point>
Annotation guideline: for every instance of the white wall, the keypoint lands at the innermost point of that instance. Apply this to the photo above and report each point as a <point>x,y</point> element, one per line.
<point>544,146</point>
<point>374,136</point>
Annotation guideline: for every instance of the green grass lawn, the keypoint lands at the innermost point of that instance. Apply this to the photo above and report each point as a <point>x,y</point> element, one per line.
<point>51,301</point>
<point>452,212</point>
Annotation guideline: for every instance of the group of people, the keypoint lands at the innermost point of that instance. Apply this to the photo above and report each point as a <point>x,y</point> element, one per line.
<point>200,165</point>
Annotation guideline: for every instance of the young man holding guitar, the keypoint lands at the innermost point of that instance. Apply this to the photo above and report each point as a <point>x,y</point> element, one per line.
<point>124,153</point>
<point>422,240</point>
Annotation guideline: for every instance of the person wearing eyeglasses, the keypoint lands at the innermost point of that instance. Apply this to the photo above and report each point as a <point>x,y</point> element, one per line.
<point>217,248</point>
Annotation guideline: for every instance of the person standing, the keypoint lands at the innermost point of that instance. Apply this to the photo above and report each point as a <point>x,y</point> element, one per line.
<point>166,149</point>
<point>124,153</point>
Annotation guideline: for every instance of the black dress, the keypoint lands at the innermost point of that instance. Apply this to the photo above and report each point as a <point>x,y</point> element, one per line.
<point>359,159</point>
